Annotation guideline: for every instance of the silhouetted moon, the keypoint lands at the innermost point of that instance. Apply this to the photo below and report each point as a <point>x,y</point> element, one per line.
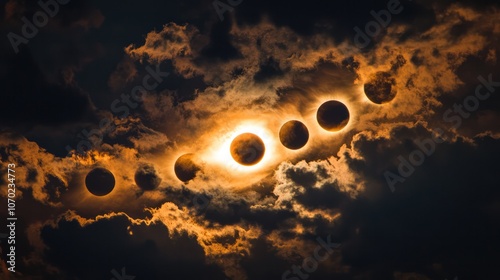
<point>247,149</point>
<point>185,167</point>
<point>146,177</point>
<point>294,135</point>
<point>332,115</point>
<point>380,88</point>
<point>100,181</point>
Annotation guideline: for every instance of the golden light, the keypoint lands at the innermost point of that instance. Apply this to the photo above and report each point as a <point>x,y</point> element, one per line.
<point>168,165</point>
<point>220,153</point>
<point>247,149</point>
<point>87,163</point>
<point>313,124</point>
<point>80,196</point>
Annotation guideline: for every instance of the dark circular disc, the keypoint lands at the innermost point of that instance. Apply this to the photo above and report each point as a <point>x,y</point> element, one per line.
<point>294,135</point>
<point>100,181</point>
<point>332,115</point>
<point>185,167</point>
<point>380,88</point>
<point>247,149</point>
<point>146,177</point>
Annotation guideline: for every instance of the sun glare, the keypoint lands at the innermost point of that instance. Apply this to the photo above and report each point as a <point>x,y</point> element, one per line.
<point>219,153</point>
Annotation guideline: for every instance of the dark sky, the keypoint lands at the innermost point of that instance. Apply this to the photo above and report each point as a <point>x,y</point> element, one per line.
<point>130,86</point>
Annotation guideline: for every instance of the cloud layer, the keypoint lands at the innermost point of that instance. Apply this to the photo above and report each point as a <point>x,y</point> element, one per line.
<point>265,64</point>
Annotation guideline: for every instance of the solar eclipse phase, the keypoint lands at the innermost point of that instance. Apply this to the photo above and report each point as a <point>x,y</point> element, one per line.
<point>259,141</point>
<point>248,147</point>
<point>294,135</point>
<point>100,181</point>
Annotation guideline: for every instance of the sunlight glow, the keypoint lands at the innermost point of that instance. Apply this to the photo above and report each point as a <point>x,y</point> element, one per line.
<point>312,123</point>
<point>219,152</point>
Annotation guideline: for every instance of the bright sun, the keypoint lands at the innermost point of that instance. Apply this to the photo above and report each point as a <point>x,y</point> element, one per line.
<point>220,151</point>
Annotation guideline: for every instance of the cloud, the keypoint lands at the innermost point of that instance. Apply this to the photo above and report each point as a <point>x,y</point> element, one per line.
<point>254,73</point>
<point>43,175</point>
<point>145,250</point>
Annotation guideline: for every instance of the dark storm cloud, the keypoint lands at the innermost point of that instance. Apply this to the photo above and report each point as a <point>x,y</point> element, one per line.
<point>333,18</point>
<point>56,46</point>
<point>45,70</point>
<point>38,82</point>
<point>32,212</point>
<point>268,70</point>
<point>92,251</point>
<point>443,214</point>
<point>439,223</point>
<point>220,46</point>
<point>442,221</point>
<point>30,99</point>
<point>224,208</point>
<point>266,262</point>
<point>234,212</point>
<point>480,120</point>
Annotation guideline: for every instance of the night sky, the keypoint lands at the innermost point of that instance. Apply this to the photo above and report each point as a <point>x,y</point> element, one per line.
<point>250,139</point>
